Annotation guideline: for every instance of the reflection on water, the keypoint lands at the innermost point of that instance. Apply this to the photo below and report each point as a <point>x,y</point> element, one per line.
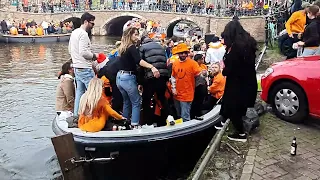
<point>27,96</point>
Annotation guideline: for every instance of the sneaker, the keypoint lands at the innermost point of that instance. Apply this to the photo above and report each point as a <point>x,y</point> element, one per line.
<point>135,127</point>
<point>146,126</point>
<point>223,123</point>
<point>219,126</point>
<point>238,137</point>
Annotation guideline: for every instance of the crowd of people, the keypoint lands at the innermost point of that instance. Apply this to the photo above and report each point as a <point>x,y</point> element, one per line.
<point>196,7</point>
<point>302,37</point>
<point>148,80</point>
<point>31,28</point>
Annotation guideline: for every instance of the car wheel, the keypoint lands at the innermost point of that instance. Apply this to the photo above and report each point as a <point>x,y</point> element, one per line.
<point>289,102</point>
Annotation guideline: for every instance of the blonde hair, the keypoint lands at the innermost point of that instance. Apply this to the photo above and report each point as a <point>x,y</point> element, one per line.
<point>126,41</point>
<point>91,97</point>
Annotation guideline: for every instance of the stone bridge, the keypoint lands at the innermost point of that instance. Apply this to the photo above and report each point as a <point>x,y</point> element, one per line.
<point>110,22</point>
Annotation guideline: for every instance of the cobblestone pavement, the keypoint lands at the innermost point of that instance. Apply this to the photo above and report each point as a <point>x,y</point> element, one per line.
<point>269,156</point>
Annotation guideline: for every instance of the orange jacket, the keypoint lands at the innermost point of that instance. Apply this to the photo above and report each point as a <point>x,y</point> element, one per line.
<point>296,22</point>
<point>217,87</point>
<point>99,117</point>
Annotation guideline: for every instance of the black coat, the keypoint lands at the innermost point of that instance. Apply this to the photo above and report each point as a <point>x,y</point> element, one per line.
<point>311,34</point>
<point>154,54</point>
<point>241,82</point>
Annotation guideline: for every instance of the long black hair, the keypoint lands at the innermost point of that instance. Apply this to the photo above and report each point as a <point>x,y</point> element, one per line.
<point>235,36</point>
<point>65,68</point>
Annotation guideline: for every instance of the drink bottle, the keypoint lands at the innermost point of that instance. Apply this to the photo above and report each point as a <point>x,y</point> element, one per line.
<point>293,151</point>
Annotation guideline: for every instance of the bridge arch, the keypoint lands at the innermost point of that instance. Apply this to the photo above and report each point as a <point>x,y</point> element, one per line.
<point>114,25</point>
<point>75,20</point>
<point>175,21</point>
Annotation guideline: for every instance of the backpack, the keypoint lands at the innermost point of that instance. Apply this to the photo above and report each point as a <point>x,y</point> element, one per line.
<point>250,120</point>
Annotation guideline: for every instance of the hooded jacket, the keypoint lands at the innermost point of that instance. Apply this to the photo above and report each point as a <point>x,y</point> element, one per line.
<point>154,54</point>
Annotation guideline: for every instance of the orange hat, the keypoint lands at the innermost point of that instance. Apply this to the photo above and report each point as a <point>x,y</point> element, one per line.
<point>182,47</point>
<point>173,51</point>
<point>101,57</point>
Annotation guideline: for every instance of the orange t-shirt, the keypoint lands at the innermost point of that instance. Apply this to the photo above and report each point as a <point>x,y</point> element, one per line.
<point>203,66</point>
<point>217,87</point>
<point>184,72</point>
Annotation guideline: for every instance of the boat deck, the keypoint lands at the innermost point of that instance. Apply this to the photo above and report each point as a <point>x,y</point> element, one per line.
<point>209,117</point>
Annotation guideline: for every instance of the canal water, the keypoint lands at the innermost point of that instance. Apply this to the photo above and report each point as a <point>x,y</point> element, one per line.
<point>28,79</point>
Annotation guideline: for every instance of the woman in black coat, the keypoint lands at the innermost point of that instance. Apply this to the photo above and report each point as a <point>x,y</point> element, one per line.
<point>241,81</point>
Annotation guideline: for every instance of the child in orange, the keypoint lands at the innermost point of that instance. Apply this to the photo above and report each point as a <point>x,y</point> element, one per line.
<point>94,108</point>
<point>182,80</point>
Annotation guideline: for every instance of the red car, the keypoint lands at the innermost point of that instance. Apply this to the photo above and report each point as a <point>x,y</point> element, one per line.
<point>292,88</point>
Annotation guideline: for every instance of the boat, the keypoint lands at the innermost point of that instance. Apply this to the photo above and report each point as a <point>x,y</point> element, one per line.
<point>34,39</point>
<point>168,152</point>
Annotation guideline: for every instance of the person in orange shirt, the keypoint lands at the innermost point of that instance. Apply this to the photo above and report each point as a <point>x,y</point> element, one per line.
<point>182,80</point>
<point>216,89</point>
<point>94,108</point>
<point>200,91</point>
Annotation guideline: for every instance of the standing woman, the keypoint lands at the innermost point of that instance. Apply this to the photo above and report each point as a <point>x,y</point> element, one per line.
<point>241,81</point>
<point>126,77</point>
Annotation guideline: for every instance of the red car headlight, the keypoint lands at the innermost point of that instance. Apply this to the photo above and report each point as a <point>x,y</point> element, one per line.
<point>267,73</point>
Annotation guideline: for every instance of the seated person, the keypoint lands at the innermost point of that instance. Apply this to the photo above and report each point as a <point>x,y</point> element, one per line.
<point>13,31</point>
<point>50,29</point>
<point>64,29</point>
<point>33,31</point>
<point>114,52</point>
<point>216,89</point>
<point>39,31</point>
<point>94,108</point>
<point>65,91</point>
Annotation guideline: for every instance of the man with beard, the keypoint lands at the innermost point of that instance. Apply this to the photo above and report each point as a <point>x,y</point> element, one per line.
<point>216,89</point>
<point>82,57</point>
<point>182,79</point>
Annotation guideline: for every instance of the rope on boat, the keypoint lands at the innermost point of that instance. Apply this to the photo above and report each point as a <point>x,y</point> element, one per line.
<point>216,142</point>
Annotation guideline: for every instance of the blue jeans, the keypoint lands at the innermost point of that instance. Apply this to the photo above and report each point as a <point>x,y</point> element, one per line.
<point>309,52</point>
<point>82,77</point>
<point>183,109</point>
<point>128,86</point>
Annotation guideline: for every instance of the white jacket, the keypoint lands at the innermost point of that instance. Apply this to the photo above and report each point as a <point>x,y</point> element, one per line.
<point>215,53</point>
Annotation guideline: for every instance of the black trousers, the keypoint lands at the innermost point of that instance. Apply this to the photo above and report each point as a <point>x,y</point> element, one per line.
<point>197,104</point>
<point>210,102</point>
<point>150,87</point>
<point>117,101</point>
<point>237,123</point>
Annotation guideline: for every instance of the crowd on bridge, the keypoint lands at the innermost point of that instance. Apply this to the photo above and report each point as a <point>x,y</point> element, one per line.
<point>178,79</point>
<point>245,8</point>
<point>32,28</point>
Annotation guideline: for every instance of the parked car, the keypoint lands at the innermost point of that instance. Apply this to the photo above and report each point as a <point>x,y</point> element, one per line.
<point>292,88</point>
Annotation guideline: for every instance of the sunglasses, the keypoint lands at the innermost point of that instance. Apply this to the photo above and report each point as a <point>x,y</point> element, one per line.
<point>184,53</point>
<point>92,23</point>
